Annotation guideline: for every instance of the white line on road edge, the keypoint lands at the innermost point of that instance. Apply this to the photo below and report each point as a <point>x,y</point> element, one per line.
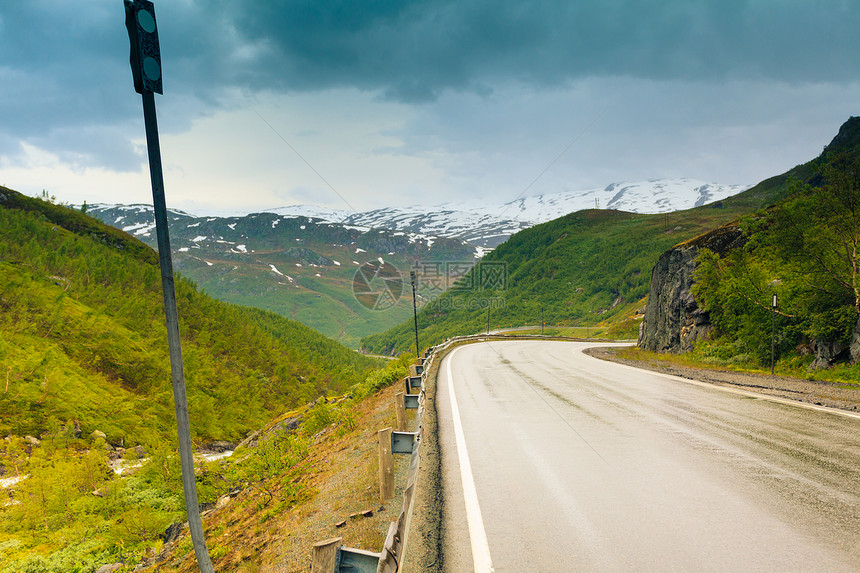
<point>730,390</point>
<point>480,547</point>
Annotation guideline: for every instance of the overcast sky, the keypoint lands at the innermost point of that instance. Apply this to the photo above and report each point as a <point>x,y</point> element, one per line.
<point>356,105</point>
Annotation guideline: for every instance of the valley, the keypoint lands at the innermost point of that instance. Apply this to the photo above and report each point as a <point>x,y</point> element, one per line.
<point>301,261</point>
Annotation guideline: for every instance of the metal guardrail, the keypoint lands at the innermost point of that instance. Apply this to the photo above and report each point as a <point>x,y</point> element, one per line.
<point>339,559</point>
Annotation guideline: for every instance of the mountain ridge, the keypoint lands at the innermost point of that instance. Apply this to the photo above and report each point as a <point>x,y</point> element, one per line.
<point>587,267</point>
<point>488,225</point>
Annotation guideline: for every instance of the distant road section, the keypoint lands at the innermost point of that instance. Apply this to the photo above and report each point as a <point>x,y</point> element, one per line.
<point>573,464</point>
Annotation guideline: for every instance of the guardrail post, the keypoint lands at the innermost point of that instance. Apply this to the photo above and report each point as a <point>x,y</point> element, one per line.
<point>411,401</point>
<point>325,555</point>
<point>357,561</point>
<point>413,382</point>
<point>386,465</point>
<point>400,410</point>
<point>403,442</point>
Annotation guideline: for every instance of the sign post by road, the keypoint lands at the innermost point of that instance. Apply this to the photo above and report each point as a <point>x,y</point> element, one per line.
<point>145,62</point>
<point>772,333</point>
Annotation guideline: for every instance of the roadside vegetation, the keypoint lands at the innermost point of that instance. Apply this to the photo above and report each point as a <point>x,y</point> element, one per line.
<point>85,388</point>
<point>805,252</point>
<point>71,512</point>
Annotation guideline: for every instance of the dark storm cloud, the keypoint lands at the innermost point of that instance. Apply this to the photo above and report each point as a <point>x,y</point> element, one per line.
<point>414,50</point>
<point>64,65</point>
<point>66,81</point>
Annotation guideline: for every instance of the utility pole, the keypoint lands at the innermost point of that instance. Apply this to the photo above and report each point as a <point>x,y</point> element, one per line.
<point>541,321</point>
<point>488,318</point>
<point>415,314</point>
<point>145,62</point>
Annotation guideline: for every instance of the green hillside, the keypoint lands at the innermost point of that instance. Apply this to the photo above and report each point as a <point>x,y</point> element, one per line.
<point>586,267</point>
<point>83,342</point>
<point>85,391</point>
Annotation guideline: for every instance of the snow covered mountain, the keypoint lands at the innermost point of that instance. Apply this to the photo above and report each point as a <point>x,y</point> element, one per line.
<point>487,225</point>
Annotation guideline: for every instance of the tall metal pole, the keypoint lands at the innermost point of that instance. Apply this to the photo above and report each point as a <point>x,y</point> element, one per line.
<point>488,318</point>
<point>415,314</point>
<point>145,60</point>
<point>541,321</point>
<point>177,374</point>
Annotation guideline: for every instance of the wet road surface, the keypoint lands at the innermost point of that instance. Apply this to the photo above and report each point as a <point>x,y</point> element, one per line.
<point>556,461</point>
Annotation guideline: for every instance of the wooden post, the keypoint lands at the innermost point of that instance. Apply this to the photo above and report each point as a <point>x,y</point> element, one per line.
<point>400,410</point>
<point>325,555</point>
<point>386,465</point>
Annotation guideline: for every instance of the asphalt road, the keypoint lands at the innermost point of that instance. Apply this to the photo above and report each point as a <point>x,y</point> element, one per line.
<point>556,461</point>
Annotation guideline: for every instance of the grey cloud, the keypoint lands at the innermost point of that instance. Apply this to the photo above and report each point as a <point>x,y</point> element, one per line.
<point>415,50</point>
<point>64,68</point>
<point>611,129</point>
<point>84,146</point>
<point>65,65</point>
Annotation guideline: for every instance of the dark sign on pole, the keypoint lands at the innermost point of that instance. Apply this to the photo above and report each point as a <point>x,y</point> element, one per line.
<point>145,57</point>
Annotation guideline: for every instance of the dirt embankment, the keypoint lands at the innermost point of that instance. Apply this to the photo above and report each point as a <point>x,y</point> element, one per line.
<point>816,392</point>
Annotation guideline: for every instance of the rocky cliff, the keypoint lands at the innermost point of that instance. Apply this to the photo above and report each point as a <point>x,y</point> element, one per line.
<point>673,320</point>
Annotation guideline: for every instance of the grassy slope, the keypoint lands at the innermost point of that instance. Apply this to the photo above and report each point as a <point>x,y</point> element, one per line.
<point>278,494</point>
<point>273,525</point>
<point>587,267</point>
<point>83,339</point>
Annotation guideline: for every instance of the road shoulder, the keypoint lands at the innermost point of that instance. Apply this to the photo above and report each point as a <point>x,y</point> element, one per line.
<point>814,392</point>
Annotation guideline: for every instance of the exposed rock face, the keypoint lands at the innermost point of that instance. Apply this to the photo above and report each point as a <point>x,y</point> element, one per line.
<point>827,353</point>
<point>673,320</point>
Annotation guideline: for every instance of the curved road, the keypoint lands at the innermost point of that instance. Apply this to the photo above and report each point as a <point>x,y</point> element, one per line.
<point>554,461</point>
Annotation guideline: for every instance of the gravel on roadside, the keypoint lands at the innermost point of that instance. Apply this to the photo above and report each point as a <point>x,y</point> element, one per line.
<point>821,393</point>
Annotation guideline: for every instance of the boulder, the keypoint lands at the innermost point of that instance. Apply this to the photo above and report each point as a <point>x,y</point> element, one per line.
<point>854,346</point>
<point>221,446</point>
<point>173,531</point>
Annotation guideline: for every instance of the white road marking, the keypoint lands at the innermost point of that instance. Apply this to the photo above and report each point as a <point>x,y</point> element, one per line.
<point>730,390</point>
<point>477,534</point>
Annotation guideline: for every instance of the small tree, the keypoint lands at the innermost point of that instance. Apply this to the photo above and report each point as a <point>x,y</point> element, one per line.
<point>818,231</point>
